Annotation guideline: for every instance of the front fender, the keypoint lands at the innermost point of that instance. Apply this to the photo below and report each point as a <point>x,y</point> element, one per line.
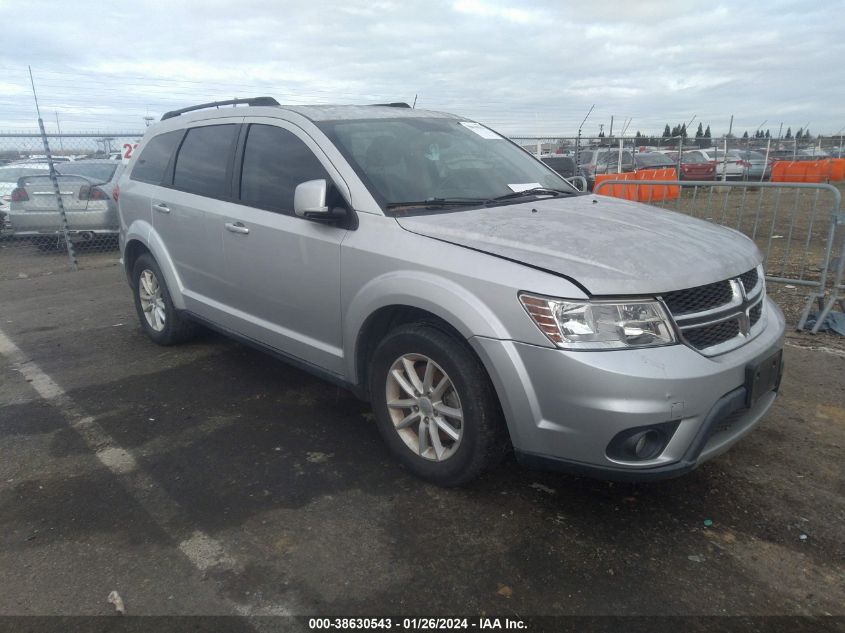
<point>143,232</point>
<point>453,303</point>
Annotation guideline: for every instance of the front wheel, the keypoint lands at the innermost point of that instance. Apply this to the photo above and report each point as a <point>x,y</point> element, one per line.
<point>159,319</point>
<point>435,406</point>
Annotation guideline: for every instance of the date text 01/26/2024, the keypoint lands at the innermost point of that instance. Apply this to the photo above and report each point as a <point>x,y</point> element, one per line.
<point>416,624</point>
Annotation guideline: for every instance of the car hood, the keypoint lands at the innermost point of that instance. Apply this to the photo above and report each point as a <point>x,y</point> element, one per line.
<point>608,246</point>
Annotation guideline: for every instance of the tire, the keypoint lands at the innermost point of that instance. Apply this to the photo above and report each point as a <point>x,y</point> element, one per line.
<point>168,326</point>
<point>483,439</point>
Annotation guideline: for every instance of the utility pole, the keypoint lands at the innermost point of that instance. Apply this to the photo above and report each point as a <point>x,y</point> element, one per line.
<point>54,178</point>
<point>578,139</point>
<point>611,126</point>
<point>725,161</point>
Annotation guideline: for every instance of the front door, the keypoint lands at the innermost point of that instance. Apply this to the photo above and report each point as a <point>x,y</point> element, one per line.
<point>283,271</point>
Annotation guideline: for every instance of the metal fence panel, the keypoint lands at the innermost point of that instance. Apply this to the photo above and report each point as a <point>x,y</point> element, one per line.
<point>793,224</point>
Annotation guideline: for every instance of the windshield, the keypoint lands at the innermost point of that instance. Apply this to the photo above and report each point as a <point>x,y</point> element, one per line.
<point>101,172</point>
<point>653,160</point>
<point>418,159</point>
<point>694,158</point>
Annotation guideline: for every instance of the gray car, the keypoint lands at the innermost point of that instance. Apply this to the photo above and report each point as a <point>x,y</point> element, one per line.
<point>466,290</point>
<point>756,165</point>
<point>89,196</point>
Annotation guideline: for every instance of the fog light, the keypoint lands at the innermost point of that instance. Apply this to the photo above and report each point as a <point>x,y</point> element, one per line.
<point>648,444</point>
<point>641,443</point>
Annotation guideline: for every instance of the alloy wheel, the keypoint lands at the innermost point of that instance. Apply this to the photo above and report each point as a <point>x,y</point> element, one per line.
<point>152,301</point>
<point>425,407</point>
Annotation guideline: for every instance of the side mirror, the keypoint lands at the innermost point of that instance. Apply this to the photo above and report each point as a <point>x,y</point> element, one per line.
<point>309,200</point>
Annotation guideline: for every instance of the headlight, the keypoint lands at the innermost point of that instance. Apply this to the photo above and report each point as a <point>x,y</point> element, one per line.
<point>598,325</point>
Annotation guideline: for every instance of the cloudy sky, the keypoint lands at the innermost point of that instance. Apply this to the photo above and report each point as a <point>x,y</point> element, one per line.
<point>525,68</point>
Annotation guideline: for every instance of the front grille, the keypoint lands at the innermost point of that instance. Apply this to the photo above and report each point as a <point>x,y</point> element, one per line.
<point>755,313</point>
<point>749,280</point>
<point>710,335</point>
<point>698,299</point>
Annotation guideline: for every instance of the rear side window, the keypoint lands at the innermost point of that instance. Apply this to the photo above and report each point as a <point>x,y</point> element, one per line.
<point>152,163</point>
<point>203,159</point>
<point>275,162</point>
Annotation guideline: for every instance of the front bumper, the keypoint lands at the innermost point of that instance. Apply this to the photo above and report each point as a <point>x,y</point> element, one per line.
<point>563,408</point>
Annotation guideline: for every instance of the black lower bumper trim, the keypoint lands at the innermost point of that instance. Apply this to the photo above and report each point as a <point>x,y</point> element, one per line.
<point>727,405</point>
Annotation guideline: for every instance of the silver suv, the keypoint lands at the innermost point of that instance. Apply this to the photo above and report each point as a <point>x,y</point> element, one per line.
<point>470,293</point>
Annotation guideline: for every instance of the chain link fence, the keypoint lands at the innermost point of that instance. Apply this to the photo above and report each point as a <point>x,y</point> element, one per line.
<point>795,227</point>
<point>38,235</point>
<point>732,158</point>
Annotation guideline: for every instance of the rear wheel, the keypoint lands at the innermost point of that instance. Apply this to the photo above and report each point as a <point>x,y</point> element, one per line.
<point>435,406</point>
<point>159,319</point>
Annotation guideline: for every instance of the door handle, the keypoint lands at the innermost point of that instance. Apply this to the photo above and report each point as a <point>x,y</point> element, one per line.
<point>236,227</point>
<point>161,207</point>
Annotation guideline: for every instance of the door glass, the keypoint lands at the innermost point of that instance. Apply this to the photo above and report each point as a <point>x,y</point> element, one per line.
<point>203,158</point>
<point>275,162</point>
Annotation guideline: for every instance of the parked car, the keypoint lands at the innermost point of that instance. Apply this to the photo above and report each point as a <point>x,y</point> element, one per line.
<point>694,166</point>
<point>9,175</point>
<point>460,285</point>
<point>756,165</point>
<point>812,153</point>
<point>734,167</point>
<point>563,165</point>
<point>89,195</point>
<point>655,160</point>
<point>604,160</point>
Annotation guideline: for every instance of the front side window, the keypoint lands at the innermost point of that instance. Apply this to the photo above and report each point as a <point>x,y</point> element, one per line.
<point>408,160</point>
<point>275,162</point>
<point>152,163</point>
<point>202,161</point>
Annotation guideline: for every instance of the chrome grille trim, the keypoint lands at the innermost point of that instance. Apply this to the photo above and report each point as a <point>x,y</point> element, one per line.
<point>739,309</point>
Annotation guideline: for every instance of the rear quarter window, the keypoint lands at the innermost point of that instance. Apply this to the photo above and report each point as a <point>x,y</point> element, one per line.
<point>152,163</point>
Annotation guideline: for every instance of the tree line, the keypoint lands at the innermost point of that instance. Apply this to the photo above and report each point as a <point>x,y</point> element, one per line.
<point>703,135</point>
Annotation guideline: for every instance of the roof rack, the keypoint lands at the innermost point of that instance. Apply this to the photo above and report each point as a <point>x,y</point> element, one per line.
<point>254,101</point>
<point>395,104</point>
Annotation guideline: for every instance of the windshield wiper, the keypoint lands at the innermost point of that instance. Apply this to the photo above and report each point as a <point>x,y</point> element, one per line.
<point>433,203</point>
<point>534,191</point>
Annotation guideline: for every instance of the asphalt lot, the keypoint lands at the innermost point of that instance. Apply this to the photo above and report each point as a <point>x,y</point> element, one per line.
<point>212,479</point>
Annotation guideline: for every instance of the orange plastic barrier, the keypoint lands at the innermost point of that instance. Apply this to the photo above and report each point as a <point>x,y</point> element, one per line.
<point>642,192</point>
<point>808,170</point>
<point>627,192</point>
<point>651,193</point>
<point>837,169</point>
<point>779,168</point>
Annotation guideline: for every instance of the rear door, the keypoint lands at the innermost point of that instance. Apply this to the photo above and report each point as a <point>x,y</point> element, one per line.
<point>283,271</point>
<point>188,213</point>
